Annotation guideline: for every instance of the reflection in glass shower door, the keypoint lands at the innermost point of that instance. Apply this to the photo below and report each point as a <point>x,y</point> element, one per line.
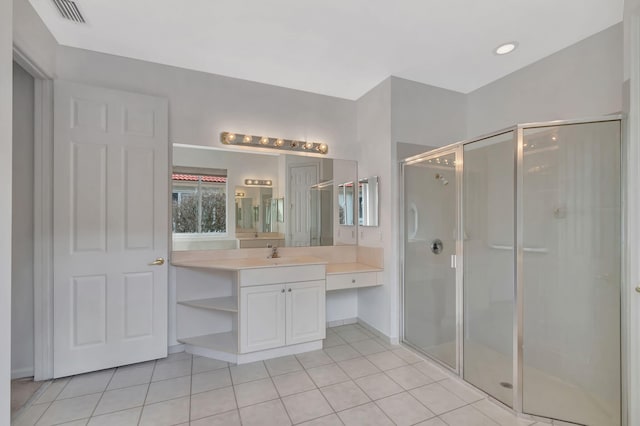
<point>571,272</point>
<point>430,206</point>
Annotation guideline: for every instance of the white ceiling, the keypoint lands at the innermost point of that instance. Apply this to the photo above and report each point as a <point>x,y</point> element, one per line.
<point>335,47</point>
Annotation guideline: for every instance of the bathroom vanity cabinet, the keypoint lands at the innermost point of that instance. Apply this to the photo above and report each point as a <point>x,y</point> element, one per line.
<point>240,306</point>
<point>272,307</point>
<point>277,315</point>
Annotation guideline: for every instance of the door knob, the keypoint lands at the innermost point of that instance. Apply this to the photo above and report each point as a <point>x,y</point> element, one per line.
<point>638,289</point>
<point>158,262</point>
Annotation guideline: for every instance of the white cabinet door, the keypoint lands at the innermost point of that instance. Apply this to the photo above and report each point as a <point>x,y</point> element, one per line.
<point>262,317</point>
<point>110,222</point>
<point>305,312</point>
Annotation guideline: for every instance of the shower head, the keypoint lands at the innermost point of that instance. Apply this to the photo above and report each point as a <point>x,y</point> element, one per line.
<point>442,179</point>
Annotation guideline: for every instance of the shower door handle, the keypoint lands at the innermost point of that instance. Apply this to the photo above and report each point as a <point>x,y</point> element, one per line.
<point>454,261</point>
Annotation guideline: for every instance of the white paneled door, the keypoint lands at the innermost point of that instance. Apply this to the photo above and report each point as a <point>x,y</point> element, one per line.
<point>110,225</point>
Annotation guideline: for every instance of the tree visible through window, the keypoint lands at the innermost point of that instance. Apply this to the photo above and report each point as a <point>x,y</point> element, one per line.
<point>199,204</point>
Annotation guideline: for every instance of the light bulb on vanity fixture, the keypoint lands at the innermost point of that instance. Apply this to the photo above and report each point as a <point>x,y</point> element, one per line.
<point>264,140</point>
<point>258,182</point>
<point>247,139</point>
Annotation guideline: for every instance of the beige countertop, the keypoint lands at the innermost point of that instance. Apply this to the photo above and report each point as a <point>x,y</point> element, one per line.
<point>250,263</point>
<point>260,238</point>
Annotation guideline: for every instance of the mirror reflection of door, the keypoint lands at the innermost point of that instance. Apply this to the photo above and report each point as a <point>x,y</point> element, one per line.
<point>368,201</point>
<point>301,179</point>
<point>345,203</point>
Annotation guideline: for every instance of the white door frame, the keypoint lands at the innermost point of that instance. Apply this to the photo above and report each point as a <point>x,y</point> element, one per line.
<point>43,217</point>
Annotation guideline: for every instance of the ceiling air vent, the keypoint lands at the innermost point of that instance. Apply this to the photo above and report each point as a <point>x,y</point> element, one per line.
<point>69,10</point>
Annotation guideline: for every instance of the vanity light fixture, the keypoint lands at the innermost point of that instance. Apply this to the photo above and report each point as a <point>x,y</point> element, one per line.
<point>505,48</point>
<point>258,182</point>
<point>229,138</point>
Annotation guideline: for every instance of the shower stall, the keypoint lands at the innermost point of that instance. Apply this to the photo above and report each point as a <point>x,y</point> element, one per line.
<point>512,266</point>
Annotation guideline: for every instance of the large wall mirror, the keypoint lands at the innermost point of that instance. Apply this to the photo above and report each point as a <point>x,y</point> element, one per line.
<point>224,199</point>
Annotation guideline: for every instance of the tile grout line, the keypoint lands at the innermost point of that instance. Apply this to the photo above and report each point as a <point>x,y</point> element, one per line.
<point>233,389</point>
<point>190,390</point>
<point>102,394</point>
<point>144,403</point>
<point>373,401</point>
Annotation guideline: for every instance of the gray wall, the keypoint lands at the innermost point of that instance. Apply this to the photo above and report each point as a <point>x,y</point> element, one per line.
<point>203,105</point>
<point>426,115</point>
<point>6,77</point>
<point>583,80</point>
<point>406,150</point>
<point>22,225</point>
<point>374,139</point>
<point>33,38</point>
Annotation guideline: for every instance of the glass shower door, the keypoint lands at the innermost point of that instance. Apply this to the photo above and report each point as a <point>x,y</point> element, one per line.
<point>571,272</point>
<point>489,284</point>
<point>431,228</point>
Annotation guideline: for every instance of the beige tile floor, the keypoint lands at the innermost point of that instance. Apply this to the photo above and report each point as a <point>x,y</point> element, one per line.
<point>356,379</point>
<point>21,391</point>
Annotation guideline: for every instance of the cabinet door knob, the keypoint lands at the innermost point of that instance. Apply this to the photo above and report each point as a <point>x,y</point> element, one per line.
<point>282,291</point>
<point>353,281</point>
<point>289,290</point>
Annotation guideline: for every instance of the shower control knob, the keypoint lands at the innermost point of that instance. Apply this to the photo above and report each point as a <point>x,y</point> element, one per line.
<point>436,246</point>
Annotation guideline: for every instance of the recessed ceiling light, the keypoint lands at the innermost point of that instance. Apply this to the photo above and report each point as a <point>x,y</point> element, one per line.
<point>505,48</point>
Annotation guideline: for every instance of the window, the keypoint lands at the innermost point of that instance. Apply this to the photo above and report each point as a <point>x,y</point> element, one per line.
<point>199,202</point>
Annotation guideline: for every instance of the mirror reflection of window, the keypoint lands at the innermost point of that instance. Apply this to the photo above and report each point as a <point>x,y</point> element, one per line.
<point>199,202</point>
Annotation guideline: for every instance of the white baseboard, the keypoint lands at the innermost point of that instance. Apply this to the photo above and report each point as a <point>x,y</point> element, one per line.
<point>21,373</point>
<point>175,349</point>
<point>379,334</point>
<point>338,323</point>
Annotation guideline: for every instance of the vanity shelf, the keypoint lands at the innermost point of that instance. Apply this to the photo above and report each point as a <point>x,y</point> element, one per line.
<point>227,304</point>
<point>223,342</point>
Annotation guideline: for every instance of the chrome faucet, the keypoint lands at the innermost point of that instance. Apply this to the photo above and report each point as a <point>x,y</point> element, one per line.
<point>274,253</point>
